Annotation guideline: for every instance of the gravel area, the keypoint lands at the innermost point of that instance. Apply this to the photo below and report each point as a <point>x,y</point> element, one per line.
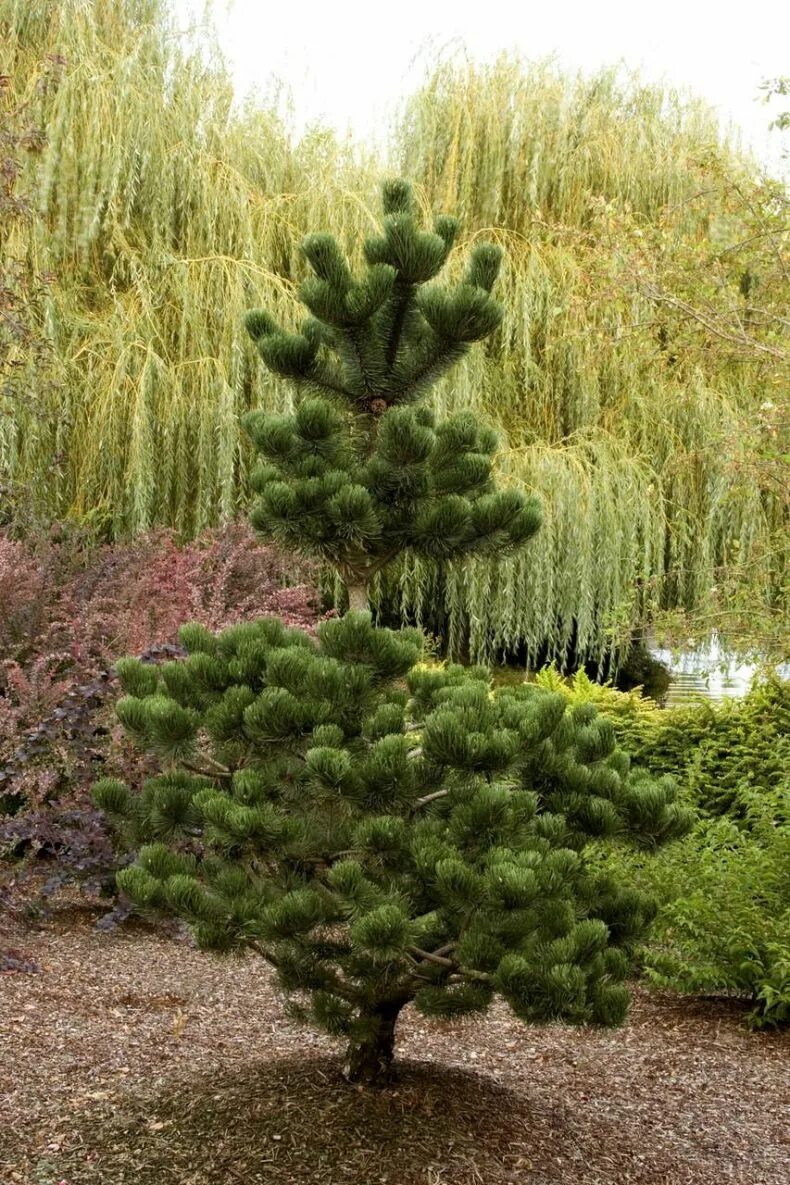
<point>130,1057</point>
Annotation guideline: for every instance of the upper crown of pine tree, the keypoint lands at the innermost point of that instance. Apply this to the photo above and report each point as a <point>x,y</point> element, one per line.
<point>379,328</point>
<point>360,473</point>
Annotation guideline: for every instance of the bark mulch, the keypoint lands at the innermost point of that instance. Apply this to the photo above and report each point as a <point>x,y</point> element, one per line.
<point>131,1058</point>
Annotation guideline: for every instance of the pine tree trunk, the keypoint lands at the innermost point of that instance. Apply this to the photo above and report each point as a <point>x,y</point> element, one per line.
<point>357,597</point>
<point>369,1059</point>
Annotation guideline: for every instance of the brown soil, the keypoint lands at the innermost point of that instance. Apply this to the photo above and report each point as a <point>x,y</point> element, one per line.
<point>131,1058</point>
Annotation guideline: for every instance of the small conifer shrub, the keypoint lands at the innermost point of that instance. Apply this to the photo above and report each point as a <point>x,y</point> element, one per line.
<point>380,830</point>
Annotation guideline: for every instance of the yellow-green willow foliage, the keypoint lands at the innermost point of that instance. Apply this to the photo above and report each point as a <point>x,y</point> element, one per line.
<point>164,215</point>
<point>165,212</point>
<point>629,377</point>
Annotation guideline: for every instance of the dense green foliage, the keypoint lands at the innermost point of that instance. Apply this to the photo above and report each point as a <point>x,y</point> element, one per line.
<point>724,919</point>
<point>637,374</point>
<point>382,842</point>
<point>724,892</point>
<point>383,831</point>
<point>731,757</point>
<point>359,476</point>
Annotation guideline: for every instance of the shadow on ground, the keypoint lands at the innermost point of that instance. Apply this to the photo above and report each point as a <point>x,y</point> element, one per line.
<point>295,1122</point>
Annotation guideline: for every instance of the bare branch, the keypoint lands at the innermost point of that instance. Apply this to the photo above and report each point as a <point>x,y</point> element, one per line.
<point>734,338</point>
<point>432,957</point>
<point>429,798</point>
<point>215,771</point>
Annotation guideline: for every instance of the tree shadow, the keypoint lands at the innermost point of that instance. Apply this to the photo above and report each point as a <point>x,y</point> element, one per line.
<point>296,1122</point>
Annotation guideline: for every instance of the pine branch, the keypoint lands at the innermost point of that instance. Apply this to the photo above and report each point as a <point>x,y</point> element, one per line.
<point>432,368</point>
<point>215,770</point>
<point>325,382</point>
<point>459,973</point>
<point>464,974</point>
<point>399,319</point>
<point>434,956</point>
<point>437,794</point>
<point>352,335</point>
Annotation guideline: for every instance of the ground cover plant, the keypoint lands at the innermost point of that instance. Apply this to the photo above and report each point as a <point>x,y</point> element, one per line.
<point>730,757</point>
<point>724,894</point>
<point>382,831</point>
<point>724,913</point>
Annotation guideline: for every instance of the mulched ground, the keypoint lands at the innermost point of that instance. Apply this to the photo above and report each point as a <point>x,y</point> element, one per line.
<point>130,1058</point>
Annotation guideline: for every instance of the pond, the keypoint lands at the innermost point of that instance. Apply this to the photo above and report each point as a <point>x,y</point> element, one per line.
<point>709,672</point>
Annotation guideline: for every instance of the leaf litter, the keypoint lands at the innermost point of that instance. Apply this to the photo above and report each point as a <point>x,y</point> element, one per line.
<point>131,1058</point>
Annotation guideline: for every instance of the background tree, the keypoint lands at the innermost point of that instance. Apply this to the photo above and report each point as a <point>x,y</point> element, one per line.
<point>625,412</point>
<point>26,363</point>
<point>379,830</point>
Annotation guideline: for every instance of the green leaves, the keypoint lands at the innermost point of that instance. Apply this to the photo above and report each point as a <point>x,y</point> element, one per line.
<point>196,639</point>
<point>144,890</point>
<point>160,723</point>
<point>372,838</point>
<point>447,740</point>
<point>326,260</point>
<point>289,354</point>
<point>403,439</point>
<point>136,678</point>
<point>458,1000</point>
<point>484,265</point>
<point>414,255</point>
<point>259,324</point>
<point>354,639</point>
<point>276,715</point>
<point>169,804</point>
<point>388,778</point>
<point>110,795</point>
<point>329,768</point>
<point>294,914</point>
<point>397,196</point>
<point>352,513</point>
<point>332,295</point>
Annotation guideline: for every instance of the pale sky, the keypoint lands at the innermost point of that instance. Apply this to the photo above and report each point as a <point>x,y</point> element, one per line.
<point>349,63</point>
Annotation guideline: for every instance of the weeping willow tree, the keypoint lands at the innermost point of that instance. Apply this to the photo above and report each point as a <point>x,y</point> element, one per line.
<point>642,367</point>
<point>629,379</point>
<point>163,214</point>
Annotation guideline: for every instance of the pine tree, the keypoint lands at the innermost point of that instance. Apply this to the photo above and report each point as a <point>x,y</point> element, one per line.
<point>380,829</point>
<point>361,472</point>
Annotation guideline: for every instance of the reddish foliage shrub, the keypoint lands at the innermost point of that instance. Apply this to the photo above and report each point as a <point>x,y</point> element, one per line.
<point>23,595</point>
<point>62,595</point>
<point>70,609</point>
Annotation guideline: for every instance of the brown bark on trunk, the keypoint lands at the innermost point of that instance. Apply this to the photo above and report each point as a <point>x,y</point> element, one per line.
<point>369,1059</point>
<point>357,597</point>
